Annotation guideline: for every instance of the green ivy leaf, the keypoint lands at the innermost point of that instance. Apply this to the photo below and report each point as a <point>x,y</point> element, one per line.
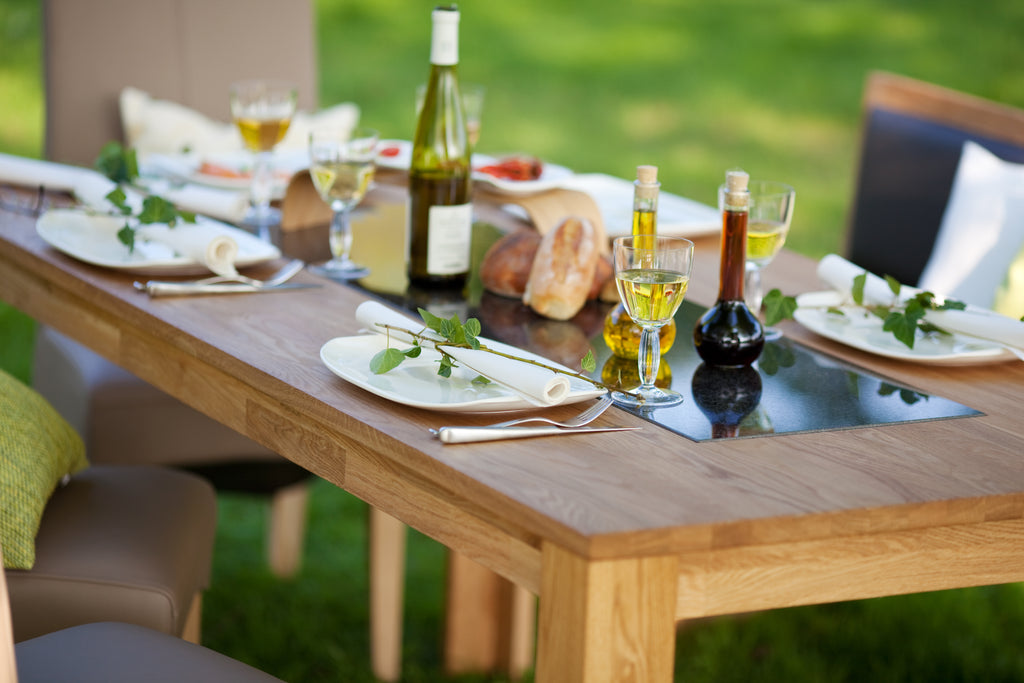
<point>858,288</point>
<point>413,351</point>
<point>118,163</point>
<point>118,198</point>
<point>445,367</point>
<point>480,379</point>
<point>157,210</point>
<point>835,311</point>
<point>894,285</point>
<point>588,363</point>
<point>903,325</point>
<point>778,307</point>
<point>386,360</point>
<point>126,236</point>
<point>430,320</point>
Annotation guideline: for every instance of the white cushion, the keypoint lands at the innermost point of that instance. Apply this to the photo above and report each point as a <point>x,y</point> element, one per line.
<point>982,229</point>
<point>155,126</point>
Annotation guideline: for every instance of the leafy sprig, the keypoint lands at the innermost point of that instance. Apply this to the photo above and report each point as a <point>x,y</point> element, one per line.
<point>902,318</point>
<point>456,334</point>
<point>120,164</point>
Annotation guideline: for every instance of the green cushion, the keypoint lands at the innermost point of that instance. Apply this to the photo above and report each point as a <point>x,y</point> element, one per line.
<point>38,448</point>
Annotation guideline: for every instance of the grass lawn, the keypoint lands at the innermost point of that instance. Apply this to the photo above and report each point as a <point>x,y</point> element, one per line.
<point>694,88</point>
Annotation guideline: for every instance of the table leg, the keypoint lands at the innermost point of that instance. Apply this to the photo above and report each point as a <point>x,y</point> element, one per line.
<point>606,620</point>
<point>387,582</point>
<point>489,621</point>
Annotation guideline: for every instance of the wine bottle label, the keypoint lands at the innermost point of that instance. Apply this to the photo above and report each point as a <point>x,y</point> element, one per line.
<point>448,239</point>
<point>444,40</point>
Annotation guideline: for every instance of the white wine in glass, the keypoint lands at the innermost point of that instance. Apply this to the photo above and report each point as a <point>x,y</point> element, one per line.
<point>652,275</point>
<point>342,167</point>
<point>262,110</point>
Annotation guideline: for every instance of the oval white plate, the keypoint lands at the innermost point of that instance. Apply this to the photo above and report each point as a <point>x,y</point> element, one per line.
<point>864,331</point>
<point>416,383</point>
<point>93,239</point>
<point>552,176</point>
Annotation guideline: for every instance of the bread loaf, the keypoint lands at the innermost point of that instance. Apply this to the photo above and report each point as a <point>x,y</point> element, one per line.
<point>506,265</point>
<point>563,270</point>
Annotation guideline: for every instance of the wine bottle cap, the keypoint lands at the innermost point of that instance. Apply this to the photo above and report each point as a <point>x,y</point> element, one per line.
<point>444,43</point>
<point>647,174</point>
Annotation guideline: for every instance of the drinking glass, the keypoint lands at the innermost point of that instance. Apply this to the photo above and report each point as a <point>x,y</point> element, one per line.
<point>652,275</point>
<point>262,110</point>
<point>771,212</point>
<point>342,165</point>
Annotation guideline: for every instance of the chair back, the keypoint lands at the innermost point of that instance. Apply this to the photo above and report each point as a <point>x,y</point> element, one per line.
<point>186,51</point>
<point>911,137</point>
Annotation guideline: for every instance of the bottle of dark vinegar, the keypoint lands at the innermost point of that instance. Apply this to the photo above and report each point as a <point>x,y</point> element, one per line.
<point>440,204</point>
<point>728,334</point>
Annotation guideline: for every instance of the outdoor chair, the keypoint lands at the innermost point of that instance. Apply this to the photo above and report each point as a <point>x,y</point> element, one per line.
<point>111,652</point>
<point>201,47</point>
<point>912,134</point>
<point>94,543</point>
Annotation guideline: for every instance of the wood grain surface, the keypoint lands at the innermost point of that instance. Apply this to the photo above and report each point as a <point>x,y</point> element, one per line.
<point>750,523</point>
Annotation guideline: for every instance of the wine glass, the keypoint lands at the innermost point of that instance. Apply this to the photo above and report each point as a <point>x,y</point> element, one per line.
<point>651,274</point>
<point>771,212</point>
<point>262,110</point>
<point>342,167</point>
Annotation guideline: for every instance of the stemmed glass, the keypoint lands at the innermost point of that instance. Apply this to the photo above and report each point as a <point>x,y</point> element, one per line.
<point>652,274</point>
<point>771,212</point>
<point>262,110</point>
<point>342,165</point>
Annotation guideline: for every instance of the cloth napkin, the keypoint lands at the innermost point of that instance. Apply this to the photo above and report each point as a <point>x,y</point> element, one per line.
<point>537,385</point>
<point>974,321</point>
<point>91,186</point>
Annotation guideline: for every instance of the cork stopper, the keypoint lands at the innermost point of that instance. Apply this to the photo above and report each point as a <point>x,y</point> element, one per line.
<point>736,194</point>
<point>736,181</point>
<point>647,174</point>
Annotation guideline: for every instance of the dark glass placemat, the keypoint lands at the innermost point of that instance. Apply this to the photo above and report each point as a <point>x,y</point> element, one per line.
<point>791,389</point>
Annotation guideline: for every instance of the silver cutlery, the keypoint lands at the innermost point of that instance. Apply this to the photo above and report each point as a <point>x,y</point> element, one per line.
<point>586,417</point>
<point>228,283</point>
<point>158,288</point>
<point>475,434</point>
<point>290,270</point>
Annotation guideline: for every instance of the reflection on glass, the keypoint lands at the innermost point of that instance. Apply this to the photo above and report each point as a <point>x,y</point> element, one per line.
<point>726,395</point>
<point>623,373</point>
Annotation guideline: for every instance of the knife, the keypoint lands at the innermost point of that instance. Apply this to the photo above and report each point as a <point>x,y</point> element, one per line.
<point>159,288</point>
<point>473,434</point>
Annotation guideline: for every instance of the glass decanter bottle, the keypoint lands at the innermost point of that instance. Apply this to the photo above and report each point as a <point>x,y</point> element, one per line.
<point>621,334</point>
<point>728,333</point>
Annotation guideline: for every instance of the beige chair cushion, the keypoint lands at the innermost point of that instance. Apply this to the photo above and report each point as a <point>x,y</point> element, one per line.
<point>122,653</point>
<point>131,544</point>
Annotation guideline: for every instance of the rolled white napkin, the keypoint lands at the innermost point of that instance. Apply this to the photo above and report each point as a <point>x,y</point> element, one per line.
<point>227,205</point>
<point>195,242</point>
<point>25,172</point>
<point>838,273</point>
<point>537,385</point>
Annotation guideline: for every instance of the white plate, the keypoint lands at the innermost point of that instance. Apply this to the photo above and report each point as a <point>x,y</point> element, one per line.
<point>93,239</point>
<point>189,168</point>
<point>552,176</point>
<point>863,331</point>
<point>416,383</point>
<point>398,154</point>
<point>677,216</point>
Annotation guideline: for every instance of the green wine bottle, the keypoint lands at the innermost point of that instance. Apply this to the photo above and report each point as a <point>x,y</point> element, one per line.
<point>440,206</point>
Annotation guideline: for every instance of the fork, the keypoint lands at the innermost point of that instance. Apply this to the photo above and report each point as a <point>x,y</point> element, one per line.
<point>286,273</point>
<point>586,417</point>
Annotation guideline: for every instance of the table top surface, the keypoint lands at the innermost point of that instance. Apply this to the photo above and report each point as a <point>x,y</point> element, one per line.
<point>602,496</point>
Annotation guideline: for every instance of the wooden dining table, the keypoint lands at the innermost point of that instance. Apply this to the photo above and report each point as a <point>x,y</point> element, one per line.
<point>622,536</point>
